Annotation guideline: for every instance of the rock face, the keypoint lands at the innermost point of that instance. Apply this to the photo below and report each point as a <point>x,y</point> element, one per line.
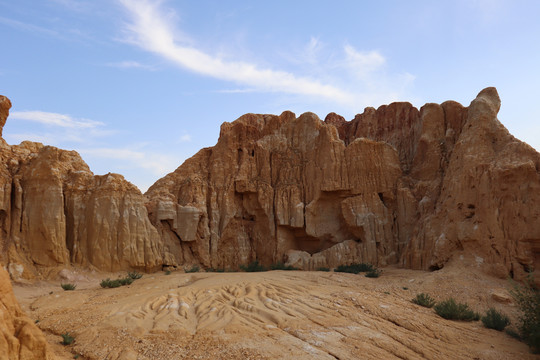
<point>20,338</point>
<point>55,212</point>
<point>489,200</point>
<point>394,185</point>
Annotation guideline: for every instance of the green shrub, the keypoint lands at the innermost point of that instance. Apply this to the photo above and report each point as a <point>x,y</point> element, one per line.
<point>134,275</point>
<point>354,268</point>
<point>68,287</point>
<point>495,320</point>
<point>282,266</point>
<point>126,281</point>
<point>108,283</point>
<point>424,300</point>
<point>193,269</point>
<point>323,269</point>
<point>527,298</point>
<point>217,270</point>
<point>451,310</point>
<point>374,273</point>
<point>168,272</point>
<point>254,266</point>
<point>67,339</point>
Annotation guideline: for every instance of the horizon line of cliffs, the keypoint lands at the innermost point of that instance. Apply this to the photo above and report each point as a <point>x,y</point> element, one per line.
<point>395,185</point>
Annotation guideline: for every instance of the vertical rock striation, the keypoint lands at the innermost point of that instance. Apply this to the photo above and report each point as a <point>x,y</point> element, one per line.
<point>395,185</point>
<point>55,212</point>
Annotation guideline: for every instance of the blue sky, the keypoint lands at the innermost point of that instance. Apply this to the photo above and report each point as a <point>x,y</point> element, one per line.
<point>136,87</point>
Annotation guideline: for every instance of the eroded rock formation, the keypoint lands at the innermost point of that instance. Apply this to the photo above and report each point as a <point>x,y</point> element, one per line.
<point>55,212</point>
<point>20,338</point>
<point>395,185</point>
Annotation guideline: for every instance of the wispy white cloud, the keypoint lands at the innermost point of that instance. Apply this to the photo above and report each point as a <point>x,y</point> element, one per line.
<point>157,164</point>
<point>57,129</point>
<point>152,29</point>
<point>129,64</point>
<point>185,138</point>
<point>363,63</point>
<point>235,91</point>
<point>346,77</point>
<point>312,51</point>
<point>28,27</point>
<point>54,119</point>
<point>20,137</point>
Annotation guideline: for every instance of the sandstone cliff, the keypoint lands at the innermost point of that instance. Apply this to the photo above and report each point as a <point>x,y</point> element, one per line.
<point>55,212</point>
<point>20,338</point>
<point>394,185</point>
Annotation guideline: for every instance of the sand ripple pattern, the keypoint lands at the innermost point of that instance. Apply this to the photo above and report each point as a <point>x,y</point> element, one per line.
<point>265,304</point>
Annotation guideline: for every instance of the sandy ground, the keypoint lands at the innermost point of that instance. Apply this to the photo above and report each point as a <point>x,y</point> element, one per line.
<point>271,315</point>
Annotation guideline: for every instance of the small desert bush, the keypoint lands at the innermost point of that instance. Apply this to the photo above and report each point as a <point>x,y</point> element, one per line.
<point>193,269</point>
<point>168,272</point>
<point>108,283</point>
<point>450,310</point>
<point>354,268</point>
<point>527,298</point>
<point>323,269</point>
<point>495,320</point>
<point>68,287</point>
<point>374,273</point>
<point>216,270</point>
<point>125,281</point>
<point>134,275</point>
<point>282,266</point>
<point>254,266</point>
<point>67,339</point>
<point>424,300</point>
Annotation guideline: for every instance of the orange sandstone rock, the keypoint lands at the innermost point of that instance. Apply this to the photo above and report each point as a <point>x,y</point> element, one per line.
<point>54,211</point>
<point>20,338</point>
<point>395,185</point>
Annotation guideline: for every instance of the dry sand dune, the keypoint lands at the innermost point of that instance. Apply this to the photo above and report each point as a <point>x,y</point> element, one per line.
<point>271,315</point>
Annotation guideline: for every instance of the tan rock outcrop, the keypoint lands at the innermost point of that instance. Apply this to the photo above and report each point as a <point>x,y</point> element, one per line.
<point>394,185</point>
<point>55,212</point>
<point>489,202</point>
<point>276,183</point>
<point>20,338</point>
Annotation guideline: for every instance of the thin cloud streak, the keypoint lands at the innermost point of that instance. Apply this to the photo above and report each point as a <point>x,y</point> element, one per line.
<point>185,138</point>
<point>54,119</point>
<point>128,64</point>
<point>153,31</point>
<point>158,164</point>
<point>28,27</point>
<point>19,138</point>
